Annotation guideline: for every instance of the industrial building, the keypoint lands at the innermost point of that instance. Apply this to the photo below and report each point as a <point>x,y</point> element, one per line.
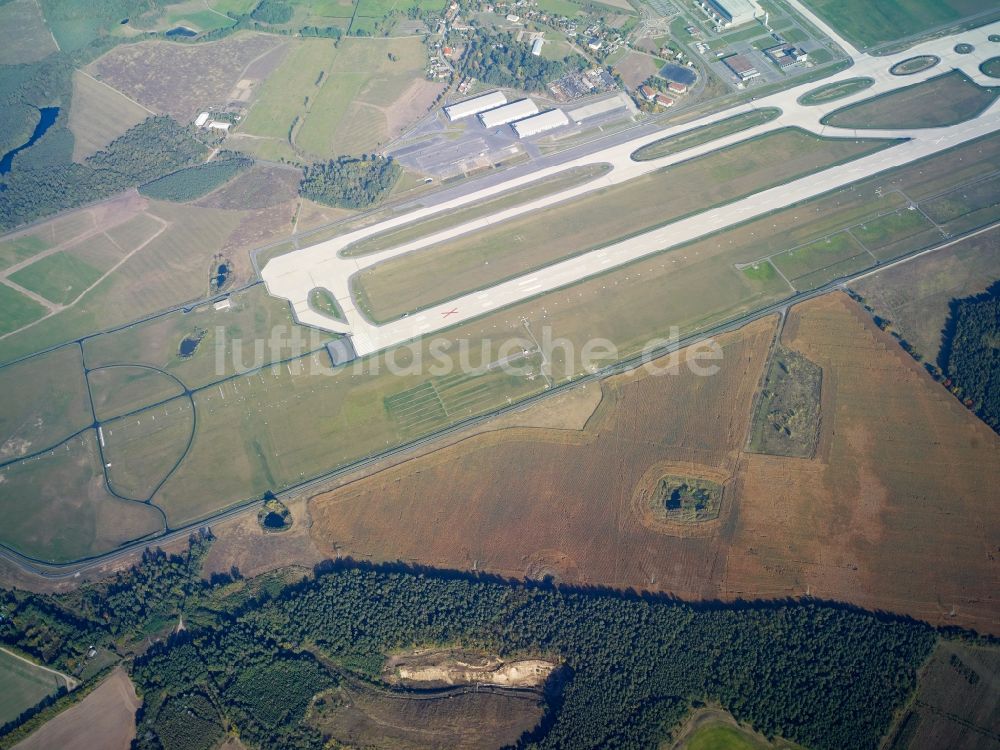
<point>741,66</point>
<point>728,13</point>
<point>785,55</point>
<point>554,118</point>
<point>518,110</point>
<point>475,105</point>
<point>536,46</point>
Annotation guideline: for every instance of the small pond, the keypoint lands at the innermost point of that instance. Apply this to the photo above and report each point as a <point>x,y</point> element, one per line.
<point>678,73</point>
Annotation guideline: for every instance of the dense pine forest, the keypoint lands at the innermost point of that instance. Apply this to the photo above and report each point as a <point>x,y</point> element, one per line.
<point>257,653</point>
<point>971,355</point>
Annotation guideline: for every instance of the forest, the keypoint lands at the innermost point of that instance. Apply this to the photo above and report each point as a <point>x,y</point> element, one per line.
<point>193,182</point>
<point>971,353</point>
<point>500,60</point>
<point>257,652</point>
<point>350,182</point>
<point>44,179</point>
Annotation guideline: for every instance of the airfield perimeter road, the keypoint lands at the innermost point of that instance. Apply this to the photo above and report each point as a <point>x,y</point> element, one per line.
<point>66,571</point>
<point>294,275</point>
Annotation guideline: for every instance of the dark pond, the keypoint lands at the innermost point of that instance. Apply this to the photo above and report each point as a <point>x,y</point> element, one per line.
<point>190,343</point>
<point>181,31</point>
<point>49,115</point>
<point>221,274</point>
<point>274,521</point>
<point>678,73</point>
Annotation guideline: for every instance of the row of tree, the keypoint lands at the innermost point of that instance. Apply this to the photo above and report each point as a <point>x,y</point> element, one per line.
<point>256,652</point>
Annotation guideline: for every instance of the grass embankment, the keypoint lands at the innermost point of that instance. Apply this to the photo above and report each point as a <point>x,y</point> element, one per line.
<point>833,91</point>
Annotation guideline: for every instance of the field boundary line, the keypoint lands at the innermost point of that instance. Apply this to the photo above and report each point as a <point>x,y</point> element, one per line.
<point>120,93</point>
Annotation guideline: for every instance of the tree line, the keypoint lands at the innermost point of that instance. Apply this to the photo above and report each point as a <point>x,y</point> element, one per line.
<point>256,652</point>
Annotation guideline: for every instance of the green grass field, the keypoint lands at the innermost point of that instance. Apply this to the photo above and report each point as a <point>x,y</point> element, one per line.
<point>142,448</point>
<point>324,303</point>
<point>945,100</point>
<point>410,232</point>
<point>503,250</point>
<point>833,91</point>
<point>98,114</point>
<point>868,24</point>
<point>817,255</point>
<point>60,277</point>
<point>882,236</point>
<point>723,737</point>
<point>22,686</point>
<point>118,390</point>
<point>45,399</point>
<point>20,249</point>
<point>704,134</point>
<point>55,507</point>
<point>229,345</point>
<point>18,310</point>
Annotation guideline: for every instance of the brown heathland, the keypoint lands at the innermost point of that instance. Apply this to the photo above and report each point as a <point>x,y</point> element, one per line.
<point>104,719</point>
<point>890,513</point>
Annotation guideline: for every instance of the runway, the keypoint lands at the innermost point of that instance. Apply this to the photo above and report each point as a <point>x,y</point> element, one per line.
<point>294,275</point>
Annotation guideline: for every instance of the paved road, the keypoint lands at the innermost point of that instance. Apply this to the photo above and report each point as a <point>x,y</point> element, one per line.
<point>292,276</point>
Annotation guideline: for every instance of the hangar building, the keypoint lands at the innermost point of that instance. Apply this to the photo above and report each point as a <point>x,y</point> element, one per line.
<point>508,113</point>
<point>475,105</point>
<point>732,12</point>
<point>554,118</point>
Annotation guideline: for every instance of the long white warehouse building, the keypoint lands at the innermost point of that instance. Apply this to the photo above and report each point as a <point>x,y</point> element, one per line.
<point>554,118</point>
<point>508,113</point>
<point>475,105</point>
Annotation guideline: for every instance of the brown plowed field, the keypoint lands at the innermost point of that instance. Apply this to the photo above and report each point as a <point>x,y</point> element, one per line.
<point>559,502</point>
<point>893,513</point>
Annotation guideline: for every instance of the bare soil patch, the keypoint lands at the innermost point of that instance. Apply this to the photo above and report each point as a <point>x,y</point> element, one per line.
<point>436,668</point>
<point>104,719</point>
<point>635,68</point>
<point>263,186</point>
<point>414,103</point>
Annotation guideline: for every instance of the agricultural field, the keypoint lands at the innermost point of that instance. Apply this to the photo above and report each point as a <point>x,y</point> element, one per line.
<point>98,114</point>
<point>957,701</point>
<point>955,96</point>
<point>105,719</point>
<point>155,275</point>
<point>477,260</point>
<point>866,25</point>
<point>22,685</point>
<point>182,79</point>
<point>349,98</point>
<point>704,134</point>
<point>24,38</point>
<point>842,525</point>
<point>915,297</point>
